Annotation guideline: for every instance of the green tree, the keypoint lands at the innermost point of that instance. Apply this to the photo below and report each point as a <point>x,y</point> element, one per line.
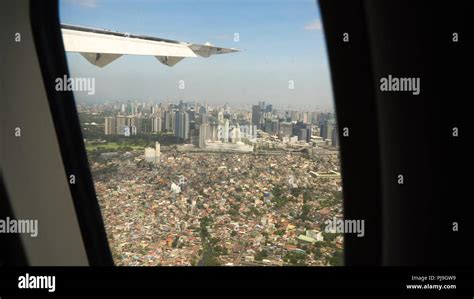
<point>305,212</point>
<point>295,258</point>
<point>263,254</point>
<point>337,259</point>
<point>329,237</point>
<point>277,192</point>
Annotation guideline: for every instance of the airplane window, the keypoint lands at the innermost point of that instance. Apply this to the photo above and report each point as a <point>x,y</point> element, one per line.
<point>210,130</point>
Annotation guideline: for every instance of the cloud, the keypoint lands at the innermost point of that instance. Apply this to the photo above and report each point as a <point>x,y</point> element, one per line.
<point>84,3</point>
<point>314,25</point>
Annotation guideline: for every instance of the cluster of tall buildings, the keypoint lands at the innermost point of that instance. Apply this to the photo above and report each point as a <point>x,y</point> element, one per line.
<point>142,118</point>
<point>220,135</point>
<point>328,129</point>
<point>130,125</point>
<point>259,113</point>
<point>191,122</point>
<point>294,125</point>
<point>204,126</point>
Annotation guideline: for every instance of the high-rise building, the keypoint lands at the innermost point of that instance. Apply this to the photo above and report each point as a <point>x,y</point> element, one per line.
<point>256,115</point>
<point>271,126</point>
<point>203,129</point>
<point>236,134</point>
<point>150,154</point>
<point>173,122</point>
<point>323,131</point>
<point>303,131</point>
<point>268,125</point>
<point>314,117</point>
<point>302,134</point>
<point>275,126</point>
<point>262,123</point>
<point>286,129</point>
<point>122,125</point>
<point>203,118</point>
<point>226,131</point>
<point>135,124</point>
<point>157,151</point>
<point>182,125</point>
<point>335,136</point>
<point>213,132</point>
<point>156,125</point>
<point>186,126</point>
<point>306,117</point>
<point>145,125</point>
<point>110,126</point>
<point>167,120</point>
<point>327,128</point>
<point>295,116</point>
<point>178,126</point>
<point>153,155</point>
<point>330,129</point>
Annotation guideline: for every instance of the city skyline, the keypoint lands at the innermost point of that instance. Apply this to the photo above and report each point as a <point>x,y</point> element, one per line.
<point>271,53</point>
<point>188,120</point>
<point>235,106</point>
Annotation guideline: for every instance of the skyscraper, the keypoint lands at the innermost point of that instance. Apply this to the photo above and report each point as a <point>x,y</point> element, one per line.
<point>203,128</point>
<point>275,126</point>
<point>306,117</point>
<point>145,125</point>
<point>286,129</point>
<point>203,118</point>
<point>181,127</point>
<point>110,126</point>
<point>156,125</point>
<point>295,116</point>
<point>268,125</point>
<point>167,120</point>
<point>157,151</point>
<point>226,130</point>
<point>335,137</point>
<point>256,115</point>
<point>122,125</point>
<point>303,131</point>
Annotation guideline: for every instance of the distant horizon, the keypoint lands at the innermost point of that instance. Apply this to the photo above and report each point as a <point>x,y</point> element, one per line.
<point>279,41</point>
<point>231,105</point>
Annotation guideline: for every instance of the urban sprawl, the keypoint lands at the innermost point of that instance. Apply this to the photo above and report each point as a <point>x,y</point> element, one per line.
<point>195,184</point>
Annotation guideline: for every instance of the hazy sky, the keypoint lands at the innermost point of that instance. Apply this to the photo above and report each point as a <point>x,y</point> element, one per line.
<point>280,40</point>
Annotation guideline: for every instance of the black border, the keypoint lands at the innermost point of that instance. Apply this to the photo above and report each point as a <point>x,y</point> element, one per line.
<point>44,16</point>
<point>355,103</point>
<point>12,251</point>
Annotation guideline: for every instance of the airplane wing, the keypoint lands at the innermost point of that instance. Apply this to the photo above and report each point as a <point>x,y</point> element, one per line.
<point>101,47</point>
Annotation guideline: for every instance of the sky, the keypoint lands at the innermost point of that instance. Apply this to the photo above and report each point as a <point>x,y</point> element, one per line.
<point>279,41</point>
